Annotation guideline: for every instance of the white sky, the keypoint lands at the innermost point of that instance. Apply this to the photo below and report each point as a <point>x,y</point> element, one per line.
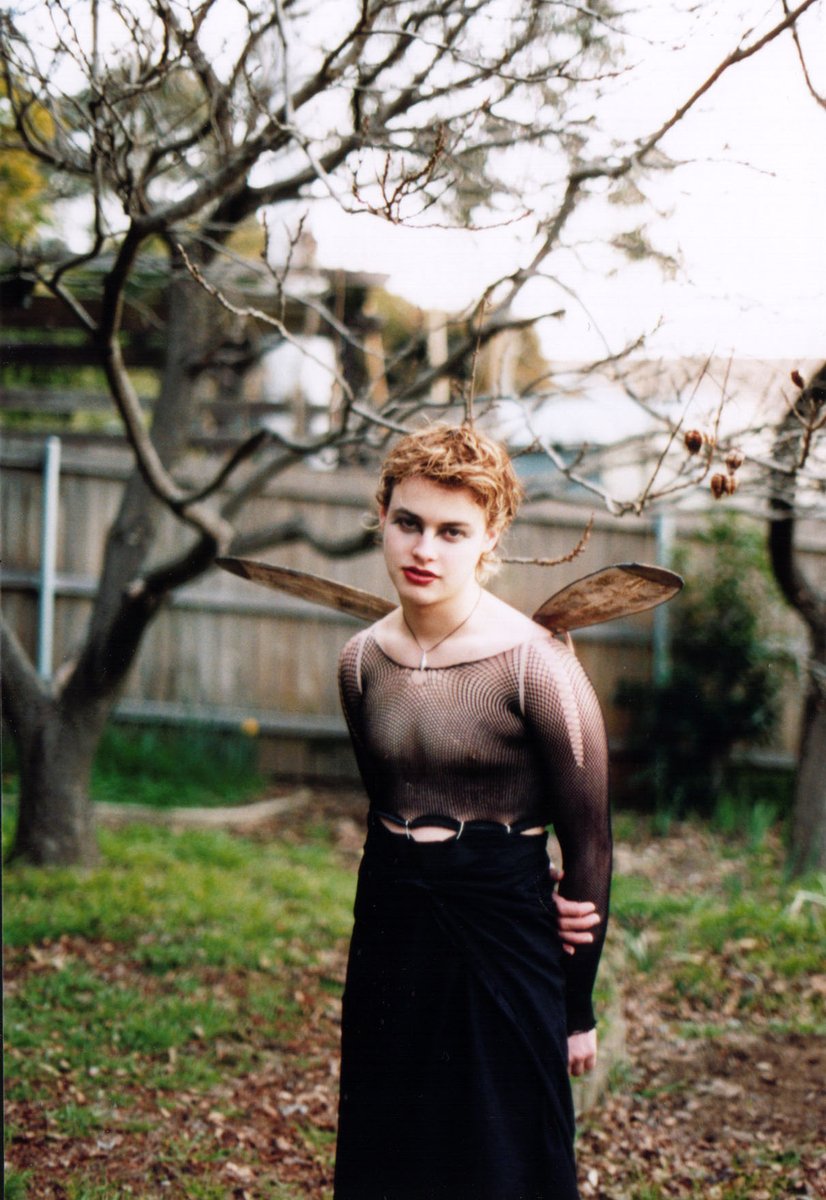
<point>745,213</point>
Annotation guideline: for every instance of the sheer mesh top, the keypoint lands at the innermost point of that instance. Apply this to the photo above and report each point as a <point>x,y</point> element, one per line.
<point>518,735</point>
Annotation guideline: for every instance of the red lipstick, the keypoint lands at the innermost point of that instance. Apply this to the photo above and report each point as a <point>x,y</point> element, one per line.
<point>418,577</point>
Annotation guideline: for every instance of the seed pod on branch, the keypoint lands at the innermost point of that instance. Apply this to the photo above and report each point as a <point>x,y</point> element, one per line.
<point>722,485</point>
<point>797,378</point>
<point>693,441</point>
<point>735,459</point>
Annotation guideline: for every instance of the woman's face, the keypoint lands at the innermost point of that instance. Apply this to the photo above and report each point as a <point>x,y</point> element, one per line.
<point>434,537</point>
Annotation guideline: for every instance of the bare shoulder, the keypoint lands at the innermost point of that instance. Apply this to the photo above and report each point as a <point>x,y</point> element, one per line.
<point>389,630</point>
<point>508,625</point>
<point>390,623</point>
<point>496,627</point>
<point>388,626</point>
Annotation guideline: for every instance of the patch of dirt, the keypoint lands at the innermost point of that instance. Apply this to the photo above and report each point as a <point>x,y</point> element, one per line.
<point>745,1084</point>
<point>737,1115</point>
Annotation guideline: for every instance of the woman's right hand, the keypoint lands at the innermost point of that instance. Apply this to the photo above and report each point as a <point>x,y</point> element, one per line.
<point>575,918</point>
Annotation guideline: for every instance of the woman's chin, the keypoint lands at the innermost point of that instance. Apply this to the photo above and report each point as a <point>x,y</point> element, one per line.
<point>413,593</point>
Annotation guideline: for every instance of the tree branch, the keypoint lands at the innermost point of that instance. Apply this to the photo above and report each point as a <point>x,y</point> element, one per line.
<point>296,529</point>
<point>177,571</point>
<point>259,315</point>
<point>791,434</point>
<point>818,97</point>
<point>736,56</point>
<point>563,558</point>
<point>22,693</point>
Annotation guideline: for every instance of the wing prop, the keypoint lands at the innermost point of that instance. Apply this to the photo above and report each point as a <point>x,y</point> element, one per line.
<point>604,595</point>
<point>617,591</point>
<point>315,588</point>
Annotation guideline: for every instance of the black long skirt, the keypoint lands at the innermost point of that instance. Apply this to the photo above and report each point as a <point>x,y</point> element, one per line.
<point>454,1081</point>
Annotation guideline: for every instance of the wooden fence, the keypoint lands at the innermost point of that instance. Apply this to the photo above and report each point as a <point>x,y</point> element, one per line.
<point>227,652</point>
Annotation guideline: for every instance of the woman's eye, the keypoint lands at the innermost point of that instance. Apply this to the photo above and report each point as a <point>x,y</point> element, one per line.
<point>404,522</point>
<point>453,534</point>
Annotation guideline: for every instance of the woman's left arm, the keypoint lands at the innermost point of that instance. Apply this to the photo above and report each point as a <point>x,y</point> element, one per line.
<point>563,715</point>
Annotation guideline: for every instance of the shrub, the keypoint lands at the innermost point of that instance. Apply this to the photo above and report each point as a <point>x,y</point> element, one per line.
<point>724,683</point>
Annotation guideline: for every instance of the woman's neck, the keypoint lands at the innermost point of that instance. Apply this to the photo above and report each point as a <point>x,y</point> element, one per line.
<point>429,623</point>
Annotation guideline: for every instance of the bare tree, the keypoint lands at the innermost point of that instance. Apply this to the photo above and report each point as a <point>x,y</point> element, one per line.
<point>795,445</point>
<point>181,122</point>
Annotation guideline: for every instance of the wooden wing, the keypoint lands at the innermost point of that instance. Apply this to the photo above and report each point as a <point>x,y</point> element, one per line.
<point>315,588</point>
<point>617,591</point>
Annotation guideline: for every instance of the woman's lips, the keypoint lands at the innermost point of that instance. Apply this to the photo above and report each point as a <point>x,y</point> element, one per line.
<point>420,578</point>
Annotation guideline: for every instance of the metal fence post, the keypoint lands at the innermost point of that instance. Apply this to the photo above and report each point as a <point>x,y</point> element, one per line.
<point>661,635</point>
<point>48,557</point>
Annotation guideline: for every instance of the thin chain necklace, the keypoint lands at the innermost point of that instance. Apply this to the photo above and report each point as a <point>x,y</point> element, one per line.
<point>430,649</point>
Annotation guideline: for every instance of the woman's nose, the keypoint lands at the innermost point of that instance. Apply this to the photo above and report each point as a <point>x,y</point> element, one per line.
<point>424,546</point>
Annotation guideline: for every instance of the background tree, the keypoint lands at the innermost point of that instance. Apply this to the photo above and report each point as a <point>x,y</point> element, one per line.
<point>795,468</point>
<point>180,122</point>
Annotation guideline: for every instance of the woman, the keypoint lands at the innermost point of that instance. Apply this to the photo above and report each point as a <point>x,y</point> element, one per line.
<point>473,729</point>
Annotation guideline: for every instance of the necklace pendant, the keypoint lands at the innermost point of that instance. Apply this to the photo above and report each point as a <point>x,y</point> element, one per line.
<point>418,674</point>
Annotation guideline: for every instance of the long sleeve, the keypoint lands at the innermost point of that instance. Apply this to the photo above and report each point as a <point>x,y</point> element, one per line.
<point>351,695</point>
<point>566,725</point>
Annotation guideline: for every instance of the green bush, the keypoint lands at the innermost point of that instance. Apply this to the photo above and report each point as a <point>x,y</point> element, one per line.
<point>193,765</point>
<point>724,683</point>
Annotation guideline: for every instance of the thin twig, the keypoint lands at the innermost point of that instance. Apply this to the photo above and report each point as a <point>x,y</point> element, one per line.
<point>470,391</point>
<point>673,434</point>
<point>258,314</point>
<point>813,92</point>
<point>563,558</point>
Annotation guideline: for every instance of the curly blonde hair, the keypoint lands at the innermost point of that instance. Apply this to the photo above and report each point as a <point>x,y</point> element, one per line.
<point>458,456</point>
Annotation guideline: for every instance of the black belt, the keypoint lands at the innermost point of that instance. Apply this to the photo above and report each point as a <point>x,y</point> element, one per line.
<point>458,826</point>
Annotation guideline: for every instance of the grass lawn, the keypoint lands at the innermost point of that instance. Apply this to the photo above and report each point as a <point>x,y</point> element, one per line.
<point>171,1017</point>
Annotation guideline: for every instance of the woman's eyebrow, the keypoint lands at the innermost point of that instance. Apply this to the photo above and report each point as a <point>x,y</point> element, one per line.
<point>406,512</point>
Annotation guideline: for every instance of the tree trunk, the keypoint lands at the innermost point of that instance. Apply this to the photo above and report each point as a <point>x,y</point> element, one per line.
<point>792,445</point>
<point>56,752</point>
<point>808,833</point>
<point>57,731</point>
